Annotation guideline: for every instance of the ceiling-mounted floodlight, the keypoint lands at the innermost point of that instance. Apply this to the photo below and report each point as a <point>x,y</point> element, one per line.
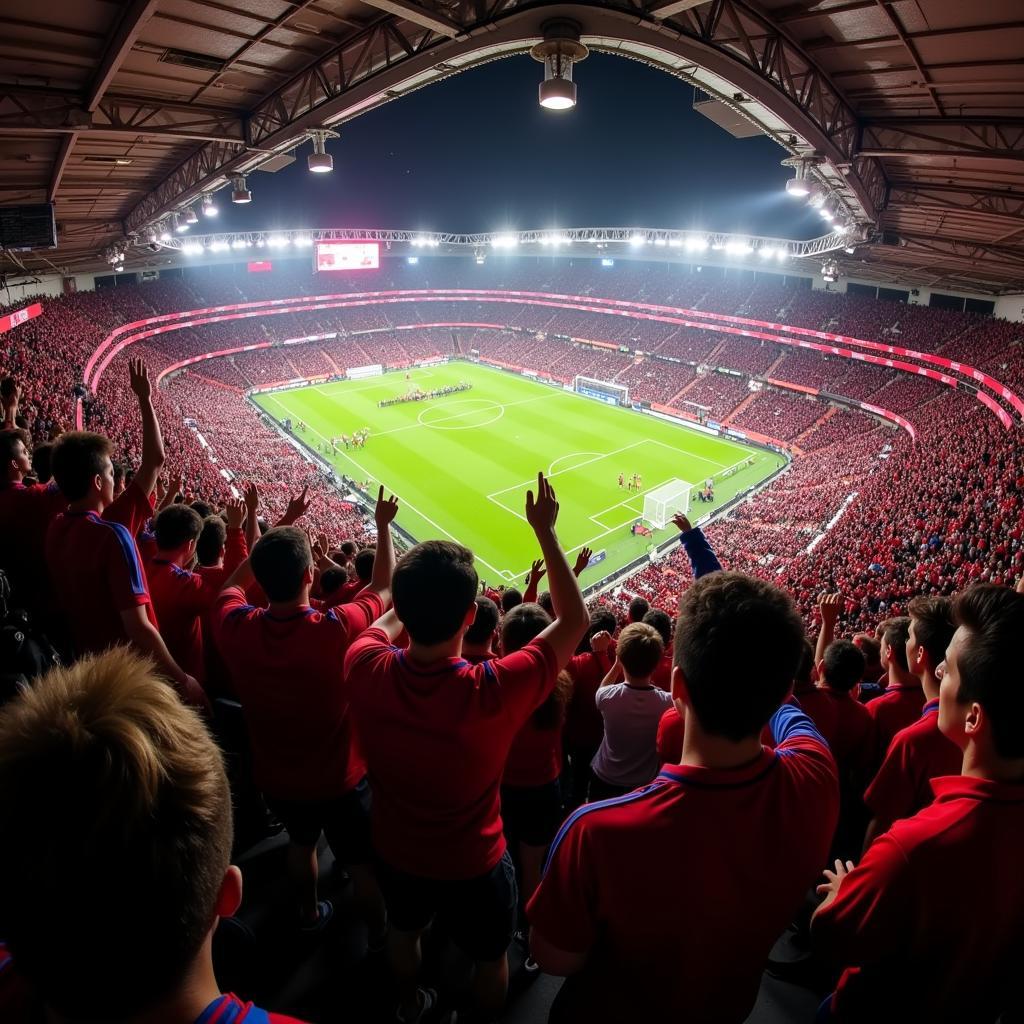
<point>165,232</point>
<point>239,192</point>
<point>830,271</point>
<point>798,185</point>
<point>559,51</point>
<point>191,217</point>
<point>320,161</point>
<point>209,206</point>
<point>180,226</point>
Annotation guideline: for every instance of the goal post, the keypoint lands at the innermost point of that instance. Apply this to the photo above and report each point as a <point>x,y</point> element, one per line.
<point>602,390</point>
<point>662,503</point>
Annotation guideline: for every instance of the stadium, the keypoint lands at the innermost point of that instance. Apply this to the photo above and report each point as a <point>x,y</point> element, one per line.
<point>630,605</point>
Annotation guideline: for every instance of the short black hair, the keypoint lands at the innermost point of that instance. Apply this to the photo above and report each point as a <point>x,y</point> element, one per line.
<point>279,561</point>
<point>546,602</point>
<point>78,457</point>
<point>738,643</point>
<point>521,625</point>
<point>844,665</point>
<point>175,525</point>
<point>602,620</point>
<point>202,508</point>
<point>988,661</point>
<point>805,668</point>
<point>333,579</point>
<point>510,599</point>
<point>363,563</point>
<point>638,608</point>
<point>895,637</point>
<point>662,622</point>
<point>433,587</point>
<point>212,539</point>
<point>933,625</point>
<point>42,458</point>
<point>485,623</point>
<point>348,548</point>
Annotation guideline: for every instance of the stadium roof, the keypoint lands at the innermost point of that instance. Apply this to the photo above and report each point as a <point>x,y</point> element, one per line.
<point>122,111</point>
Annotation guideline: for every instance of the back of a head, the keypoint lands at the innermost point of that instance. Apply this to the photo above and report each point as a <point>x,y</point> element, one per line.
<point>202,508</point>
<point>546,602</point>
<point>638,608</point>
<point>843,665</point>
<point>871,648</point>
<point>521,625</point>
<point>42,461</point>
<point>932,618</point>
<point>738,643</point>
<point>485,623</point>
<point>805,669</point>
<point>78,457</point>
<point>332,579</point>
<point>212,538</point>
<point>510,598</point>
<point>279,562</point>
<point>348,549</point>
<point>433,587</point>
<point>116,817</point>
<point>640,649</point>
<point>602,620</point>
<point>363,562</point>
<point>176,525</point>
<point>897,632</point>
<point>662,622</point>
<point>991,619</point>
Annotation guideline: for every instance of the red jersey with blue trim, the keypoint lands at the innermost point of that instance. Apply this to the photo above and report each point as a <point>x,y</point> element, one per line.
<point>847,726</point>
<point>917,754</point>
<point>929,923</point>
<point>436,739</point>
<point>897,708</point>
<point>229,1009</point>
<point>96,571</point>
<point>287,672</point>
<point>676,892</point>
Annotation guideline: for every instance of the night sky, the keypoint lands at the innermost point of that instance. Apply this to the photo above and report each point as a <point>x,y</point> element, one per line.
<point>477,153</point>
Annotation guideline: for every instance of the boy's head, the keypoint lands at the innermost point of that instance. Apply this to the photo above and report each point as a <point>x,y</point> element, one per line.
<point>662,622</point>
<point>42,456</point>
<point>177,527</point>
<point>894,643</point>
<point>737,650</point>
<point>347,551</point>
<point>639,649</point>
<point>931,629</point>
<point>82,466</point>
<point>981,697</point>
<point>843,665</point>
<point>638,608</point>
<point>602,620</point>
<point>434,590</point>
<point>14,453</point>
<point>282,563</point>
<point>211,542</point>
<point>510,598</point>
<point>871,648</point>
<point>116,817</point>
<point>485,623</point>
<point>363,562</point>
<point>521,625</point>
<point>333,579</point>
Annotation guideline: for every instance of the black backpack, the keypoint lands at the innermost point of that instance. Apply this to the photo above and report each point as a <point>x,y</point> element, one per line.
<point>25,652</point>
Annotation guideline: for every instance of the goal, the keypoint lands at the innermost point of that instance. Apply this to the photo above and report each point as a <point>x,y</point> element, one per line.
<point>661,504</point>
<point>602,390</point>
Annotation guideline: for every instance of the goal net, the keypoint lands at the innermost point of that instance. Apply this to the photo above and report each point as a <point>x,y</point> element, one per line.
<point>602,390</point>
<point>661,504</point>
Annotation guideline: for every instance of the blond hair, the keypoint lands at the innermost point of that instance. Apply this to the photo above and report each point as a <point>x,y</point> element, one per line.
<point>116,817</point>
<point>640,648</point>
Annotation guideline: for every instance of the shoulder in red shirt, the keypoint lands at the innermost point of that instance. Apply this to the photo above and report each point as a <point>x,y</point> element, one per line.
<point>25,516</point>
<point>897,708</point>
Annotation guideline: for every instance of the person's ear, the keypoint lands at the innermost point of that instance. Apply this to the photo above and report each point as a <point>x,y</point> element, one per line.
<point>471,613</point>
<point>229,899</point>
<point>308,575</point>
<point>677,687</point>
<point>975,721</point>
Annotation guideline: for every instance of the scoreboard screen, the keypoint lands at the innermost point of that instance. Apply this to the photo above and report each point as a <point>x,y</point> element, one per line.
<point>347,256</point>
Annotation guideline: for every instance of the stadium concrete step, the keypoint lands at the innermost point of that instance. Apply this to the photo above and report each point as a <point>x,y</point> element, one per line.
<point>829,413</point>
<point>771,369</point>
<point>335,368</point>
<point>740,408</point>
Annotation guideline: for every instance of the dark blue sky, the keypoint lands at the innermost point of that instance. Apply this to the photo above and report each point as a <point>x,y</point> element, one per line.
<point>477,153</point>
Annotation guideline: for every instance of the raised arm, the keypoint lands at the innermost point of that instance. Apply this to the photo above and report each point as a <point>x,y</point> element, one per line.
<point>153,455</point>
<point>252,522</point>
<point>10,406</point>
<point>828,608</point>
<point>537,573</point>
<point>145,638</point>
<point>703,559</point>
<point>571,616</point>
<point>384,559</point>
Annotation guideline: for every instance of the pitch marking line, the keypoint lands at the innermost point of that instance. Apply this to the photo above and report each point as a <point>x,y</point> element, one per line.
<point>502,406</point>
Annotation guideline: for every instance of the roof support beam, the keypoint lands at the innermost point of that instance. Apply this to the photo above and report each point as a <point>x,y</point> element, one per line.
<point>418,15</point>
<point>673,7</point>
<point>66,145</point>
<point>121,42</point>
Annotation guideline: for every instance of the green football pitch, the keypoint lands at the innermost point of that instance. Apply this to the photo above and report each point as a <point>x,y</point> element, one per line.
<point>461,464</point>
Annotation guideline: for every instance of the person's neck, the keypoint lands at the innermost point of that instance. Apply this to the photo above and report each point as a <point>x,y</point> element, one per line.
<point>14,476</point>
<point>296,604</point>
<point>639,682</point>
<point>475,650</point>
<point>897,677</point>
<point>426,654</point>
<point>930,685</point>
<point>90,503</point>
<point>177,556</point>
<point>703,751</point>
<point>986,764</point>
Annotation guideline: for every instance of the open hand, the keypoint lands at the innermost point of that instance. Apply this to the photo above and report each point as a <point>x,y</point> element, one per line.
<point>386,510</point>
<point>833,880</point>
<point>235,513</point>
<point>252,498</point>
<point>537,571</point>
<point>542,511</point>
<point>829,606</point>
<point>138,379</point>
<point>582,561</point>
<point>682,523</point>
<point>297,508</point>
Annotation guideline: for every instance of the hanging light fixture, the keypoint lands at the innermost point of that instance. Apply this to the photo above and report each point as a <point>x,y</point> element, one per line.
<point>559,51</point>
<point>239,193</point>
<point>320,161</point>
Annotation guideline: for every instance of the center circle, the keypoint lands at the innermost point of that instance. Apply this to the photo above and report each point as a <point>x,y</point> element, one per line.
<point>482,413</point>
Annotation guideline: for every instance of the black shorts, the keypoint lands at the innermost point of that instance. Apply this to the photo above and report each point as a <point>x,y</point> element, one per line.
<point>532,814</point>
<point>479,913</point>
<point>344,820</point>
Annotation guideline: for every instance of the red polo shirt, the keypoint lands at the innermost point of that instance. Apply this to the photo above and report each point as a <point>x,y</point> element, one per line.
<point>436,739</point>
<point>96,571</point>
<point>535,758</point>
<point>916,755</point>
<point>287,673</point>
<point>677,892</point>
<point>846,724</point>
<point>662,675</point>
<point>929,923</point>
<point>897,708</point>
<point>25,516</point>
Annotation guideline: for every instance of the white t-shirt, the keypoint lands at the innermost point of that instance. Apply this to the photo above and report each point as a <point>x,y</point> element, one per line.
<point>628,754</point>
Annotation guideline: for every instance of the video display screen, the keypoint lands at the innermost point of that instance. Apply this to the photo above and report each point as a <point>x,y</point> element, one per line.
<point>347,256</point>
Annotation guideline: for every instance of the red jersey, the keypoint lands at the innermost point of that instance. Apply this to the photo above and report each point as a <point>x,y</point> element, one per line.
<point>287,673</point>
<point>916,755</point>
<point>436,739</point>
<point>738,849</point>
<point>897,708</point>
<point>929,923</point>
<point>182,598</point>
<point>671,730</point>
<point>25,516</point>
<point>345,593</point>
<point>535,758</point>
<point>584,726</point>
<point>846,724</point>
<point>662,675</point>
<point>96,571</point>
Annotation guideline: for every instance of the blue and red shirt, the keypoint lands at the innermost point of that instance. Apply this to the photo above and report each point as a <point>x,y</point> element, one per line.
<point>928,924</point>
<point>897,708</point>
<point>437,738</point>
<point>676,892</point>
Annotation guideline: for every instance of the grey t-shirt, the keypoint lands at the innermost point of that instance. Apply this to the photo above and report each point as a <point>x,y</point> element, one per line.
<point>628,754</point>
